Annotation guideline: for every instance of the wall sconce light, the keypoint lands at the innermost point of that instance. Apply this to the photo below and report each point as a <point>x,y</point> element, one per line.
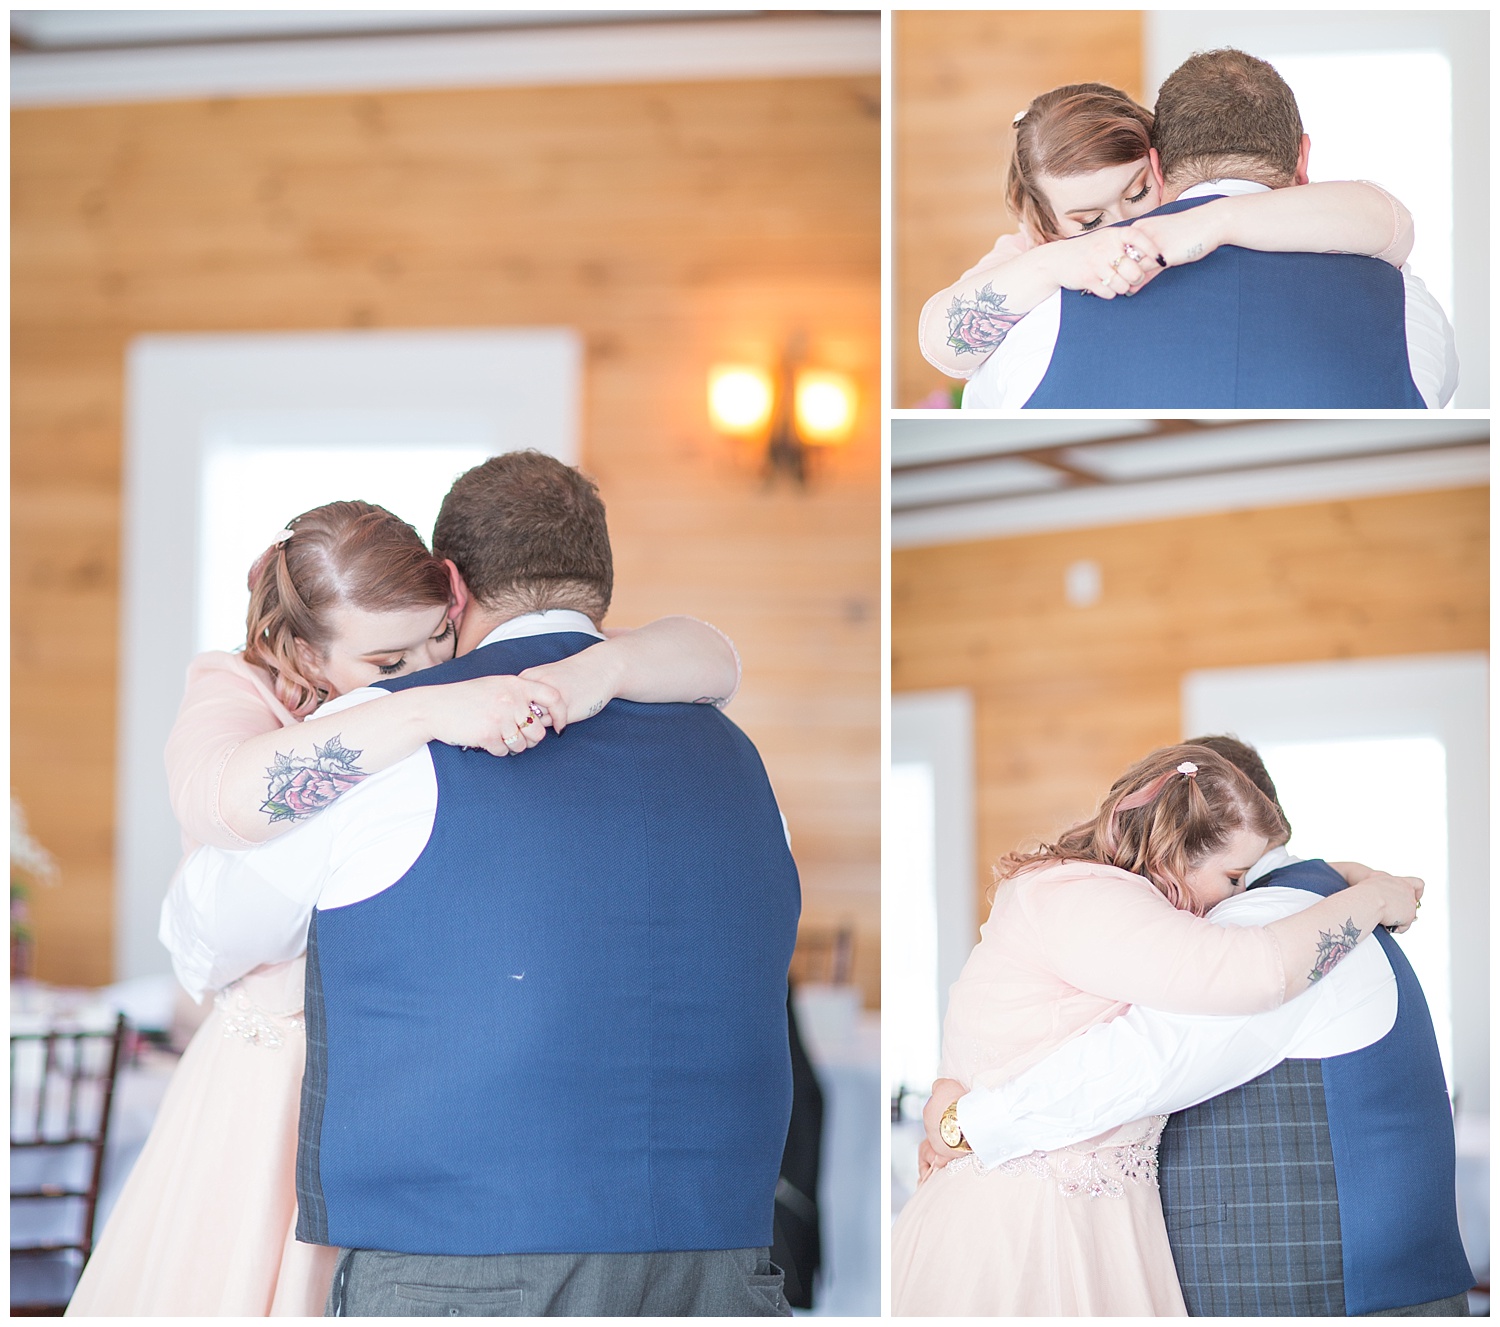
<point>795,409</point>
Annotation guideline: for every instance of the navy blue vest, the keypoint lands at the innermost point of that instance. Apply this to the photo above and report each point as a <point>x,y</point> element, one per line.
<point>1389,1131</point>
<point>564,1029</point>
<point>1238,328</point>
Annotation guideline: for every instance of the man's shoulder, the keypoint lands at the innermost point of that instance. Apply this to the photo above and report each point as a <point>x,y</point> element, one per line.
<point>1309,873</point>
<point>1263,904</point>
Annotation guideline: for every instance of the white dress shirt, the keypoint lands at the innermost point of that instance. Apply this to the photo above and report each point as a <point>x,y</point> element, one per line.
<point>228,912</point>
<point>1151,1063</point>
<point>1007,379</point>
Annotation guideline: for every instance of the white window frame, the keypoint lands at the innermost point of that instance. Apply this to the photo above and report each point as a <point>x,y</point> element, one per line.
<point>1439,695</point>
<point>937,728</point>
<point>1463,36</point>
<point>514,388</point>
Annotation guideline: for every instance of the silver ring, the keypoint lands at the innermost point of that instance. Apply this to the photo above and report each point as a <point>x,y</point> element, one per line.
<point>537,710</point>
<point>1131,252</point>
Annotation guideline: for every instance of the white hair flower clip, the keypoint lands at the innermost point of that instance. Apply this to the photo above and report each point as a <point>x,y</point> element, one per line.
<point>1020,115</point>
<point>1187,767</point>
<point>282,537</point>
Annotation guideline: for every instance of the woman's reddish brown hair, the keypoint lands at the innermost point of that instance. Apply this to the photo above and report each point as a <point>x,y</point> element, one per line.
<point>351,554</point>
<point>1070,131</point>
<point>1187,819</point>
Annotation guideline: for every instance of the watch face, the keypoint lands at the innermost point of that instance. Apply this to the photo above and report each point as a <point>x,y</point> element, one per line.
<point>952,1134</point>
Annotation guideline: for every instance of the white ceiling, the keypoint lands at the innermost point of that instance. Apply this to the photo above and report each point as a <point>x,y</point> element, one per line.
<point>76,29</point>
<point>958,478</point>
<point>78,57</point>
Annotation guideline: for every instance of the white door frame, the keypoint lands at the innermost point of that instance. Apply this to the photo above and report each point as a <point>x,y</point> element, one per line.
<point>512,389</point>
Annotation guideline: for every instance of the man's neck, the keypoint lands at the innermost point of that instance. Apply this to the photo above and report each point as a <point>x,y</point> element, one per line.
<point>1225,184</point>
<point>480,627</point>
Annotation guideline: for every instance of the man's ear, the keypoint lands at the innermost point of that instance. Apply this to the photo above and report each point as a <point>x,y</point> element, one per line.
<point>1302,153</point>
<point>459,591</point>
<point>1161,187</point>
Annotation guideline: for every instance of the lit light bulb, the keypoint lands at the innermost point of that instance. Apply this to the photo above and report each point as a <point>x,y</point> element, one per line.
<point>825,406</point>
<point>739,399</point>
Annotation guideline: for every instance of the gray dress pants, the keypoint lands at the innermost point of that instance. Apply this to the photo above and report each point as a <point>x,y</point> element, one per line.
<point>732,1283</point>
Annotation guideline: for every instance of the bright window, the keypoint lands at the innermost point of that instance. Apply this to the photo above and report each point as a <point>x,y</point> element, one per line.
<point>1386,116</point>
<point>251,488</point>
<point>909,1006</point>
<point>1383,802</point>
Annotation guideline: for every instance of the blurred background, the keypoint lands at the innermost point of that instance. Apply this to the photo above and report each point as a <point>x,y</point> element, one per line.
<point>1401,98</point>
<point>1066,596</point>
<point>262,259</point>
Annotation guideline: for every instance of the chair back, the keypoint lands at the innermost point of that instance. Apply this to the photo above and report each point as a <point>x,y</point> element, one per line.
<point>62,1083</point>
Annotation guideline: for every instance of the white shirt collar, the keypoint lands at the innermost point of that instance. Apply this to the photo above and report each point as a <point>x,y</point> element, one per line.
<point>1274,860</point>
<point>547,623</point>
<point>1229,188</point>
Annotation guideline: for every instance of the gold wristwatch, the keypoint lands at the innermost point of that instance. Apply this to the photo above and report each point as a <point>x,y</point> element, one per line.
<point>949,1128</point>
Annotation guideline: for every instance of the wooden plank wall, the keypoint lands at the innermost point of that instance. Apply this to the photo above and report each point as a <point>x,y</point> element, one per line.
<point>1065,697</point>
<point>675,225</point>
<point>959,79</point>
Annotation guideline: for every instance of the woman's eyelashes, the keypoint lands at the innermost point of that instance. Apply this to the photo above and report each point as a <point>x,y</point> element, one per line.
<point>1132,199</point>
<point>386,670</point>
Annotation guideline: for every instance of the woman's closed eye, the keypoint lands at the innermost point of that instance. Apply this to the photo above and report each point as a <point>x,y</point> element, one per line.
<point>1092,225</point>
<point>1136,198</point>
<point>386,670</point>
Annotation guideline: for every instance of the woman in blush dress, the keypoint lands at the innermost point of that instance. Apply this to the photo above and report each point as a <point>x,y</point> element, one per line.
<point>348,594</point>
<point>1108,916</point>
<point>1083,162</point>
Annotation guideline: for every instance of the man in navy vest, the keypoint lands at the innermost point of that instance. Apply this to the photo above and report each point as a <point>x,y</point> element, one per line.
<point>1237,328</point>
<point>1322,1182</point>
<point>548,1069</point>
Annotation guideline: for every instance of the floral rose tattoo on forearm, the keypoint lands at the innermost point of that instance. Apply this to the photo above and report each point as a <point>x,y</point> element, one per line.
<point>976,326</point>
<point>1332,947</point>
<point>299,786</point>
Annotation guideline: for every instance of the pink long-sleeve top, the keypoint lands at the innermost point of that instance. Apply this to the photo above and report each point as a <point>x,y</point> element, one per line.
<point>227,701</point>
<point>1077,943</point>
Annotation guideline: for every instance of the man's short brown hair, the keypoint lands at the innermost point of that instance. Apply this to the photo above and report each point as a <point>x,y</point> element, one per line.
<point>1246,759</point>
<point>1224,114</point>
<point>528,533</point>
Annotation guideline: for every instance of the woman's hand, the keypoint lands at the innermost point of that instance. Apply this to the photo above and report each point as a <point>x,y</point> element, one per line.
<point>495,713</point>
<point>928,1160</point>
<point>671,660</point>
<point>1399,898</point>
<point>1178,238</point>
<point>1115,261</point>
<point>584,683</point>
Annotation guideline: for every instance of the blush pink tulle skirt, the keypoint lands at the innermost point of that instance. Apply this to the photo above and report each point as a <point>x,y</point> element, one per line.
<point>204,1225</point>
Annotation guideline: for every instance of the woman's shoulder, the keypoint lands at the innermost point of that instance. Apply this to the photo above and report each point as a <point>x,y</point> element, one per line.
<point>224,672</point>
<point>1070,883</point>
<point>1065,870</point>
